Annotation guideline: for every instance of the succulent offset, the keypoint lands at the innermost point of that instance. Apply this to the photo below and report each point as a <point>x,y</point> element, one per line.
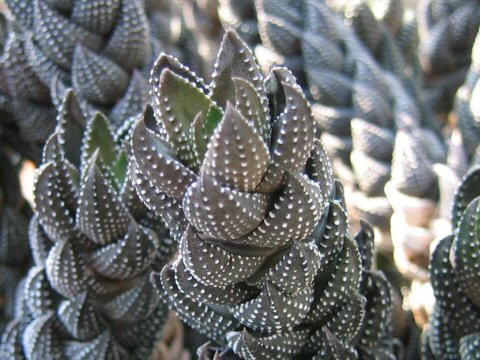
<point>447,30</point>
<point>266,269</point>
<point>454,331</point>
<point>94,244</point>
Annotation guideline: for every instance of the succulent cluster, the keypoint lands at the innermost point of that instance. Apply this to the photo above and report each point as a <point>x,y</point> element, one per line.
<point>266,268</point>
<point>454,331</point>
<point>93,244</point>
<point>447,30</point>
<point>214,195</point>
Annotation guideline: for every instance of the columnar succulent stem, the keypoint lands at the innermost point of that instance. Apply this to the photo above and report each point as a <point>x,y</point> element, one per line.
<point>447,30</point>
<point>454,331</point>
<point>266,268</point>
<point>93,243</point>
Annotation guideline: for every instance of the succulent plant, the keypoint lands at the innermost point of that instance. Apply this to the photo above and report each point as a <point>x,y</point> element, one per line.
<point>345,84</point>
<point>359,104</point>
<point>98,48</point>
<point>266,269</point>
<point>468,111</point>
<point>454,331</point>
<point>200,18</point>
<point>14,252</point>
<point>164,20</point>
<point>419,187</point>
<point>447,31</point>
<point>239,15</point>
<point>28,116</point>
<point>206,20</point>
<point>385,29</point>
<point>93,243</point>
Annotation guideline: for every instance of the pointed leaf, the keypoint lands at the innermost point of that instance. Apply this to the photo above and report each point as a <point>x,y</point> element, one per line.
<point>230,295</point>
<point>134,304</point>
<point>39,296</point>
<point>227,269</point>
<point>129,42</point>
<point>347,323</point>
<point>378,312</point>
<point>252,107</point>
<point>126,257</point>
<point>79,316</point>
<point>50,207</point>
<point>71,126</point>
<point>57,36</point>
<point>273,311</point>
<point>176,114</point>
<point>365,242</point>
<point>332,348</point>
<point>460,314</point>
<point>40,340</point>
<point>336,229</point>
<point>101,216</point>
<point>98,136</point>
<point>158,161</point>
<point>345,279</point>
<point>40,244</point>
<point>66,271</point>
<point>466,192</point>
<point>98,17</point>
<point>96,78</point>
<point>319,170</point>
<point>166,61</point>
<point>301,263</point>
<point>196,314</point>
<point>202,130</point>
<point>236,155</point>
<point>300,196</point>
<point>412,171</point>
<point>268,347</point>
<point>211,208</point>
<point>372,140</point>
<point>235,60</point>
